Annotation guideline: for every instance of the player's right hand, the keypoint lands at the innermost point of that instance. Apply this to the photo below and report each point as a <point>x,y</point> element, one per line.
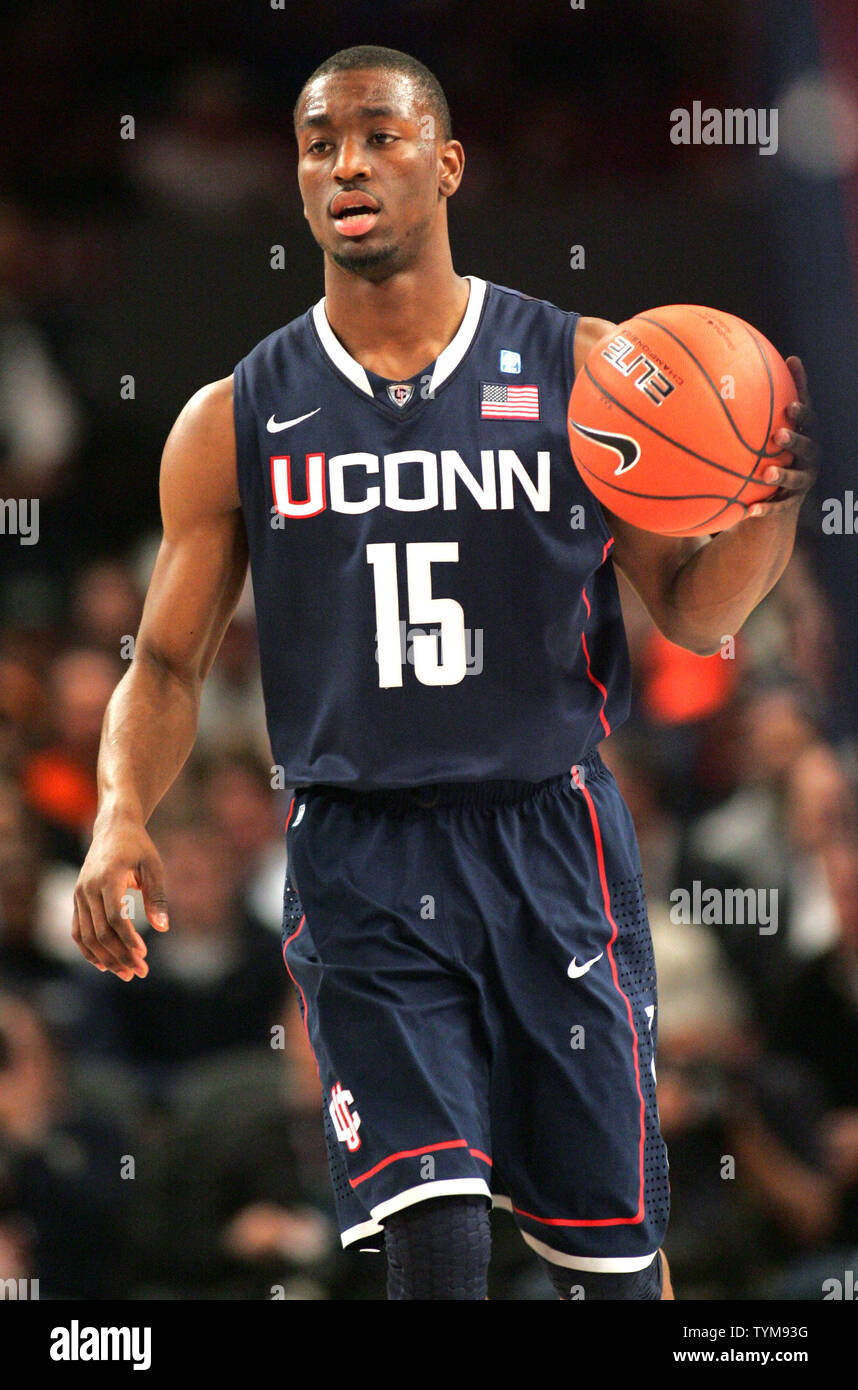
<point>120,857</point>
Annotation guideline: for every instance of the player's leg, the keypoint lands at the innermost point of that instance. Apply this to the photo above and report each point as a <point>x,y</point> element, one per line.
<point>573,989</point>
<point>667,1286</point>
<point>403,1066</point>
<point>648,1285</point>
<point>439,1250</point>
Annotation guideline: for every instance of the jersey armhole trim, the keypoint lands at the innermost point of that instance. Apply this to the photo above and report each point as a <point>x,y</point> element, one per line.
<point>607,533</point>
<point>246,446</point>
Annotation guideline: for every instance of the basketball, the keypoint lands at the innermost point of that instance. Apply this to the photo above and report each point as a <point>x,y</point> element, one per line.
<point>673,416</point>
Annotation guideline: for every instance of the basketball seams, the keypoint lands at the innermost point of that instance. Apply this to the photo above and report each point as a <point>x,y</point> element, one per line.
<point>655,496</point>
<point>749,487</point>
<point>736,499</point>
<point>743,480</point>
<point>692,453</point>
<point>760,453</point>
<point>667,497</point>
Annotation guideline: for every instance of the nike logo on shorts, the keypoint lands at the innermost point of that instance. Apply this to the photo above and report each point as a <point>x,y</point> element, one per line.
<point>575,970</point>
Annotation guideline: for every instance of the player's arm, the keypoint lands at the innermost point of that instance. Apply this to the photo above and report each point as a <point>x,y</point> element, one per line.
<point>696,589</point>
<point>151,721</point>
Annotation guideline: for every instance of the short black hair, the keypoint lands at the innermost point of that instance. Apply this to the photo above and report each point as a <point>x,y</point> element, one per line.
<point>389,60</point>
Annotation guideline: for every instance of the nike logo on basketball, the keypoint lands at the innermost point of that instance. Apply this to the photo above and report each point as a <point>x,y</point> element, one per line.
<point>275,425</point>
<point>628,449</point>
<point>575,970</point>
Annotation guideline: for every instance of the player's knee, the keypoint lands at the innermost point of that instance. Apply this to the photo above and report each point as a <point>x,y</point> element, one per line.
<point>641,1285</point>
<point>439,1249</point>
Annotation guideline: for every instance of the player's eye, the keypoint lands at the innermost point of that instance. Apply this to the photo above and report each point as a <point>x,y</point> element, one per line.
<point>383,137</point>
<point>317,146</point>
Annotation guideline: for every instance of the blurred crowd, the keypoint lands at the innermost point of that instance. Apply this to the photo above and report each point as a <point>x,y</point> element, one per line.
<point>172,1128</point>
<point>745,802</point>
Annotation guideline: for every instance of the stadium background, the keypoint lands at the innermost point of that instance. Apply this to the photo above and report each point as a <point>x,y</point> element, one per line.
<point>164,1140</point>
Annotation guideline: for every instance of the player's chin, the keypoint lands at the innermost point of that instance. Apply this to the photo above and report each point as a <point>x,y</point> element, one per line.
<point>363,258</point>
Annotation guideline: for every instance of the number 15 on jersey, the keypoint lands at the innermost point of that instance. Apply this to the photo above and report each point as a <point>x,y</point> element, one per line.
<point>442,613</point>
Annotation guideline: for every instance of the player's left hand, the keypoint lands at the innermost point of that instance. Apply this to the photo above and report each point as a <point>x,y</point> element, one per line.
<point>796,478</point>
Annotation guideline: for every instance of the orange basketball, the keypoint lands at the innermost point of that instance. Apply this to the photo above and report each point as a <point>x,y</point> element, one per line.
<point>672,419</point>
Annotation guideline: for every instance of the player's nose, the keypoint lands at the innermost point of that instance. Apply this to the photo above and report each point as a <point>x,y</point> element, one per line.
<point>351,161</point>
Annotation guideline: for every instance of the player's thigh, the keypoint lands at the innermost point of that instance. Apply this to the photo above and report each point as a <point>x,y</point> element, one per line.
<point>393,1022</point>
<point>575,1124</point>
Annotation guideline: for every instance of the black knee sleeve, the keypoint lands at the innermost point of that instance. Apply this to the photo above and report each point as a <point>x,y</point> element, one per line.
<point>644,1285</point>
<point>438,1249</point>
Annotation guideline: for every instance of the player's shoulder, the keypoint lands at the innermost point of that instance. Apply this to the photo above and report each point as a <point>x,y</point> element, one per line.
<point>517,306</point>
<point>588,332</point>
<point>207,415</point>
<point>517,301</point>
<point>198,463</point>
<point>548,321</point>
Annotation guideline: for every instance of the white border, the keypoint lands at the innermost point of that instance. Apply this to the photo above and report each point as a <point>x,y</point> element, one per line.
<point>594,1264</point>
<point>366,1228</point>
<point>616,1264</point>
<point>446,361</point>
<point>450,357</point>
<point>443,1187</point>
<point>337,353</point>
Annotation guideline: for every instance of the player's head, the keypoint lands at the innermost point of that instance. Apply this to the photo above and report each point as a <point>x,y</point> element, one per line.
<point>375,122</point>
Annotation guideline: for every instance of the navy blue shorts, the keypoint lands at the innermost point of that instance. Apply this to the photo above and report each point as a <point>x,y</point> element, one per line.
<point>476,975</point>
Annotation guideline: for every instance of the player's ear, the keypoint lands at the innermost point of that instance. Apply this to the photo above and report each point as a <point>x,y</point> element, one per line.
<point>451,164</point>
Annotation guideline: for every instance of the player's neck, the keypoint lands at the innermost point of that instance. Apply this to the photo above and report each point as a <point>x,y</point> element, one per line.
<point>400,325</point>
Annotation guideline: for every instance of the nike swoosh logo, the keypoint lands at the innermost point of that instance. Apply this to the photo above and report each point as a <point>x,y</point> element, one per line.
<point>628,449</point>
<point>275,425</point>
<point>575,970</point>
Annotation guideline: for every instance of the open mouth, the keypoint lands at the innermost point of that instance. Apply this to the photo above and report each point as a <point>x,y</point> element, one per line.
<point>354,214</point>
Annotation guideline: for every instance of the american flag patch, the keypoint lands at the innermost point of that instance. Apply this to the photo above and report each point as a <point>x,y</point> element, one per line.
<point>501,402</point>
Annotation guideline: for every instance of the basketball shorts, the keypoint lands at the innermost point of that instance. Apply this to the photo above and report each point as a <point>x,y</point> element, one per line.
<point>475,972</point>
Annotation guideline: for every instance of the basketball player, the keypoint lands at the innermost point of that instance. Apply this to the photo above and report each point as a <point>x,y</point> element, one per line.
<point>442,652</point>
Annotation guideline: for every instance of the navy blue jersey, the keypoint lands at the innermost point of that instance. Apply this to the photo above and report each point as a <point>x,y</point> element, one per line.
<point>435,599</point>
